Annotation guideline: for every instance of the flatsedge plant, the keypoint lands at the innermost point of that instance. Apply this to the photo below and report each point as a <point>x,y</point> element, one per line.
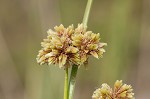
<point>71,47</point>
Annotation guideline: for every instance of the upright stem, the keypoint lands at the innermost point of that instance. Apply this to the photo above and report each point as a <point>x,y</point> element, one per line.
<point>87,12</point>
<point>74,67</point>
<point>72,81</point>
<point>66,84</point>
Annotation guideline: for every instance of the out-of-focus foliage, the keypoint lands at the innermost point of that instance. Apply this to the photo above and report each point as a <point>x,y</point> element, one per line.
<point>123,24</point>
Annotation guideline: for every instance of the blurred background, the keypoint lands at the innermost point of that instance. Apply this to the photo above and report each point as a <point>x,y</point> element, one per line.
<point>123,24</point>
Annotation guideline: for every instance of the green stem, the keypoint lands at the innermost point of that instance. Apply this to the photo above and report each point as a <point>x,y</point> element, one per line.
<point>72,81</point>
<point>66,84</point>
<point>87,12</point>
<point>74,67</point>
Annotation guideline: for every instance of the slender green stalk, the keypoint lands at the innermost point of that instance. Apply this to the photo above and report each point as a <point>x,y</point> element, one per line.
<point>87,12</point>
<point>66,84</point>
<point>72,81</point>
<point>74,67</point>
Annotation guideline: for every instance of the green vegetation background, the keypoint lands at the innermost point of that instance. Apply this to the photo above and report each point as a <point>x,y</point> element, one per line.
<point>123,24</point>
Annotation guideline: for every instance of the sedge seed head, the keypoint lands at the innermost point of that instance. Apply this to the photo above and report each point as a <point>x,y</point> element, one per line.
<point>88,43</point>
<point>67,46</point>
<point>120,91</point>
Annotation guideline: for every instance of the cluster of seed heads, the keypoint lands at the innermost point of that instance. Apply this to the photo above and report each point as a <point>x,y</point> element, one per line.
<point>68,46</point>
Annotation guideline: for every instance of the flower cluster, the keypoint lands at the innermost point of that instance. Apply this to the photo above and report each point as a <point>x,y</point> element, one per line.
<point>67,46</point>
<point>120,91</point>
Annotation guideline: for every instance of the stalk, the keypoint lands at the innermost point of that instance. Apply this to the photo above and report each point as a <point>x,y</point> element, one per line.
<point>74,67</point>
<point>87,12</point>
<point>66,84</point>
<point>72,81</point>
